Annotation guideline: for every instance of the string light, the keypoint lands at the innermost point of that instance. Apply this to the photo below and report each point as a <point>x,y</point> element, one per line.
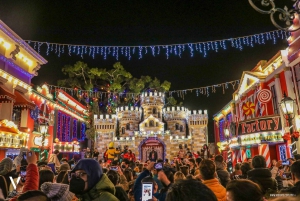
<point>201,48</point>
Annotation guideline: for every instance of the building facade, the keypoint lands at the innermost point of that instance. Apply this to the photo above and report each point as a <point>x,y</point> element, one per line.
<point>152,125</point>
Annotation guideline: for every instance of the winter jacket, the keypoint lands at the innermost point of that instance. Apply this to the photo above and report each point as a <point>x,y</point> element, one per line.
<point>104,190</point>
<point>224,177</point>
<point>32,180</point>
<point>217,188</point>
<point>295,190</point>
<point>121,194</point>
<point>53,159</point>
<point>137,188</point>
<point>263,177</point>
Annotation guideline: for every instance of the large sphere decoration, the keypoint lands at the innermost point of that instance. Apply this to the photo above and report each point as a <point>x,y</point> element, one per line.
<point>264,95</point>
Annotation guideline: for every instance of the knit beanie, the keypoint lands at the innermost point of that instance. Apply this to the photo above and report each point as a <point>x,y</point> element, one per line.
<point>57,191</point>
<point>6,166</point>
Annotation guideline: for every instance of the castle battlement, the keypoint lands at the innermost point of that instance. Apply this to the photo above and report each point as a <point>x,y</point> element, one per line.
<point>150,94</point>
<point>126,108</point>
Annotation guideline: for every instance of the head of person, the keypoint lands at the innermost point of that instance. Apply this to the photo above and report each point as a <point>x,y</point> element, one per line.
<point>291,160</point>
<point>207,169</point>
<point>64,161</point>
<point>88,149</point>
<point>198,161</point>
<point>237,166</point>
<point>219,159</point>
<point>64,167</point>
<point>41,165</point>
<point>178,176</point>
<point>6,166</point>
<point>245,167</point>
<point>125,163</point>
<point>243,189</point>
<point>274,161</point>
<point>85,175</point>
<point>57,191</point>
<point>205,146</point>
<point>184,169</point>
<point>192,189</point>
<point>152,148</point>
<point>95,150</point>
<point>128,175</point>
<point>60,176</point>
<point>56,152</point>
<point>295,171</point>
<point>45,176</point>
<point>129,151</point>
<point>114,177</point>
<point>259,162</point>
<point>166,160</point>
<point>192,162</point>
<point>33,195</point>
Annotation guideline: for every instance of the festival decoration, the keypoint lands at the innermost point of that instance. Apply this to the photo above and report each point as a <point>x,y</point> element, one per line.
<point>205,90</point>
<point>194,48</point>
<point>264,95</point>
<point>34,114</point>
<point>295,135</point>
<point>286,137</point>
<point>248,108</point>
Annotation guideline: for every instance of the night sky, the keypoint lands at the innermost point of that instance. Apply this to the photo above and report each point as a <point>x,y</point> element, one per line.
<point>148,23</point>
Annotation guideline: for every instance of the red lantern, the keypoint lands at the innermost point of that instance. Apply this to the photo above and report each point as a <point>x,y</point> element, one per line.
<point>296,135</point>
<point>286,137</point>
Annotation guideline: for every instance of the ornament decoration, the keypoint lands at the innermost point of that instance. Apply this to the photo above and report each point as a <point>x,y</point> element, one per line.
<point>295,135</point>
<point>204,90</point>
<point>202,48</point>
<point>286,137</point>
<point>248,108</point>
<point>264,95</point>
<point>34,114</point>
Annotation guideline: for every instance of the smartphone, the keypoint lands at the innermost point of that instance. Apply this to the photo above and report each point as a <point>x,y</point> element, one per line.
<point>69,175</point>
<point>24,155</point>
<point>147,191</point>
<point>115,168</point>
<point>23,173</point>
<point>72,166</point>
<point>158,166</point>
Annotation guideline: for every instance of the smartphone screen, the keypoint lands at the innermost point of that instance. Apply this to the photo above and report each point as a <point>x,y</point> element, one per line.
<point>72,166</point>
<point>147,191</point>
<point>115,168</point>
<point>69,175</point>
<point>158,166</point>
<point>24,155</point>
<point>23,173</point>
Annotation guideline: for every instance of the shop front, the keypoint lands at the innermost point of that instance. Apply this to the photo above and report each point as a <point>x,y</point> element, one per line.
<point>11,139</point>
<point>260,136</point>
<point>67,149</point>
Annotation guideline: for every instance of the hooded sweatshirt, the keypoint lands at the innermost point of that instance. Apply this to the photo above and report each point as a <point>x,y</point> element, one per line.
<point>99,186</point>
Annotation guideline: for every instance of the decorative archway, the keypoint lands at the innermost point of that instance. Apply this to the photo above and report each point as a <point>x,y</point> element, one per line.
<point>146,145</point>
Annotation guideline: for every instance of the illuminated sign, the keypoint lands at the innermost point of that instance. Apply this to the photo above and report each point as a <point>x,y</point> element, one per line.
<point>260,125</point>
<point>38,141</point>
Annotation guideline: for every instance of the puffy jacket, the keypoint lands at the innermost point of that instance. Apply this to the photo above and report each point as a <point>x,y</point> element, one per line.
<point>32,180</point>
<point>224,177</point>
<point>217,188</point>
<point>263,177</point>
<point>104,190</point>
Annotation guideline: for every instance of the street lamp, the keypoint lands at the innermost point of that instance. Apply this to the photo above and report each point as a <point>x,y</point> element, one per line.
<point>43,131</point>
<point>287,106</point>
<point>282,18</point>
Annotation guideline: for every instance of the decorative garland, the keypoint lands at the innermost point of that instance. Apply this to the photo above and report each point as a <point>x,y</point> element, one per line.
<point>171,49</point>
<point>180,93</point>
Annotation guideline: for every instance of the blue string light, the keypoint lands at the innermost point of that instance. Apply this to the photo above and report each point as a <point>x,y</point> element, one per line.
<point>169,50</point>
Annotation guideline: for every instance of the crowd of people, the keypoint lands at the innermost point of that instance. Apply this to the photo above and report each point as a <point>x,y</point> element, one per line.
<point>186,177</point>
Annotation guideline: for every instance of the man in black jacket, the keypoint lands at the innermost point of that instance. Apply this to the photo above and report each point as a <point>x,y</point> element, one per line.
<point>153,155</point>
<point>295,171</point>
<point>261,175</point>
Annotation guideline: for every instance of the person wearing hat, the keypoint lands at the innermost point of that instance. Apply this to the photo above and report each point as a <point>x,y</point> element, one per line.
<point>57,191</point>
<point>89,183</point>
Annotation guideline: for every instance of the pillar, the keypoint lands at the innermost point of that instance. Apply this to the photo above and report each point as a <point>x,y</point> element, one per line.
<point>279,97</point>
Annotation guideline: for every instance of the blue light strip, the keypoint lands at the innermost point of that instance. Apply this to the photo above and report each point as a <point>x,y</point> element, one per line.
<point>202,48</point>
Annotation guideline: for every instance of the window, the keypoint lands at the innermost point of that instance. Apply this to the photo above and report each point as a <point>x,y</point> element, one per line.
<point>274,100</point>
<point>181,128</point>
<point>158,114</point>
<point>16,116</point>
<point>146,125</point>
<point>156,124</point>
<point>151,124</point>
<point>128,126</point>
<point>123,130</point>
<point>177,126</point>
<point>154,110</point>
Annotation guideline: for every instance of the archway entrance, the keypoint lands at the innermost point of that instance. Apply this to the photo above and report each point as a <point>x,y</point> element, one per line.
<point>146,145</point>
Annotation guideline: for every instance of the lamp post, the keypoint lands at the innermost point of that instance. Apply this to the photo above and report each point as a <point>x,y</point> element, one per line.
<point>287,106</point>
<point>43,131</point>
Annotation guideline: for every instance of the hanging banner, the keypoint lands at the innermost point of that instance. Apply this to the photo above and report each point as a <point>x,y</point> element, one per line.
<point>266,124</point>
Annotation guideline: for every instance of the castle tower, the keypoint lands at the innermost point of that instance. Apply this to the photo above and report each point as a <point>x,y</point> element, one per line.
<point>197,122</point>
<point>176,120</point>
<point>152,104</point>
<point>129,119</point>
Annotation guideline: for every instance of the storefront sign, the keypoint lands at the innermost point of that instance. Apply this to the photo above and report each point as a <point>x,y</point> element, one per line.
<point>260,125</point>
<point>38,141</point>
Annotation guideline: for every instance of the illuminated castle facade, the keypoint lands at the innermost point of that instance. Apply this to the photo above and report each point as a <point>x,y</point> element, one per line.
<point>152,125</point>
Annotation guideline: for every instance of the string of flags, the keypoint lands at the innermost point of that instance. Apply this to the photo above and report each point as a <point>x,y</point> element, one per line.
<point>205,90</point>
<point>194,48</point>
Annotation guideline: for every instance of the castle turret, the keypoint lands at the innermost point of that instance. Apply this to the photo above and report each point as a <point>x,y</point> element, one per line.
<point>197,122</point>
<point>176,120</point>
<point>129,118</point>
<point>152,104</point>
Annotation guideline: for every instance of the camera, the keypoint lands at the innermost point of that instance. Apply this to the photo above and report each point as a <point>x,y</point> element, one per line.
<point>115,168</point>
<point>158,166</point>
<point>23,173</point>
